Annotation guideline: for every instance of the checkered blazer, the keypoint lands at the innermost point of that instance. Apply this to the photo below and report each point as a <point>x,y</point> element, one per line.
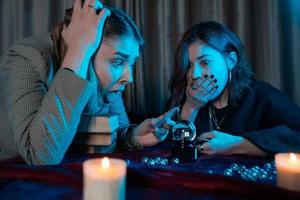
<point>40,104</point>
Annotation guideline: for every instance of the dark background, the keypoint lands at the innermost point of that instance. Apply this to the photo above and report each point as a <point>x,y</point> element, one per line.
<point>270,30</point>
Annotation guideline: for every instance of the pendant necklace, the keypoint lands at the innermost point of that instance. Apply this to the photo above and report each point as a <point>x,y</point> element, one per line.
<point>213,119</point>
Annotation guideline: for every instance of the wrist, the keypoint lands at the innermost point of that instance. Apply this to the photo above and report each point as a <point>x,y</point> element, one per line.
<point>237,145</point>
<point>76,61</point>
<point>131,139</point>
<point>246,147</point>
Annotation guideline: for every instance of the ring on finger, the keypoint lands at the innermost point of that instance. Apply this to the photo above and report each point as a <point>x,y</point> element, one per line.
<point>201,147</point>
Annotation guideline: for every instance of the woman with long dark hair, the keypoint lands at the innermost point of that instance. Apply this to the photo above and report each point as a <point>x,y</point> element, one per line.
<point>233,112</point>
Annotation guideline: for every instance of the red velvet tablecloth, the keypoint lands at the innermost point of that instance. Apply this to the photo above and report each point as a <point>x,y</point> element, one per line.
<point>200,180</point>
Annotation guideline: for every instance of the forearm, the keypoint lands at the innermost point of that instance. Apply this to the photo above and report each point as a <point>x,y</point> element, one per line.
<point>276,139</point>
<point>77,61</point>
<point>245,147</point>
<point>45,129</point>
<point>125,137</point>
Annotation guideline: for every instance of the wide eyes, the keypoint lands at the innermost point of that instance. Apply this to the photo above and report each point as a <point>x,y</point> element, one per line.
<point>120,62</point>
<point>117,62</point>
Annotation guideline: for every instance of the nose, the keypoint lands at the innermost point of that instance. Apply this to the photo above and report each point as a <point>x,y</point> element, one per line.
<point>127,75</point>
<point>196,71</point>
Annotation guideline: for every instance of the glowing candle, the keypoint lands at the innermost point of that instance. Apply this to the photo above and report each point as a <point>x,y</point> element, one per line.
<point>104,179</point>
<point>288,170</point>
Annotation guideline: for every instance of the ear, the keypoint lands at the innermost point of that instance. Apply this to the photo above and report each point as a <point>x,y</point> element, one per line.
<point>231,60</point>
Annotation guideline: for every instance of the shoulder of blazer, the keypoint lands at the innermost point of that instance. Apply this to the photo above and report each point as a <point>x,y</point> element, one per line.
<point>38,52</point>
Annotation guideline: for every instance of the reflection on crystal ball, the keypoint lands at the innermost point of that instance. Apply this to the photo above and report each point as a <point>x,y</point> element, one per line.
<point>157,159</point>
<point>234,166</point>
<point>164,161</point>
<point>263,176</point>
<point>151,161</point>
<point>267,166</point>
<point>228,172</point>
<point>175,160</point>
<point>144,159</point>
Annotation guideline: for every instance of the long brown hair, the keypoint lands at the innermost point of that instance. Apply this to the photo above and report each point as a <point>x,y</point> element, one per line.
<point>223,40</point>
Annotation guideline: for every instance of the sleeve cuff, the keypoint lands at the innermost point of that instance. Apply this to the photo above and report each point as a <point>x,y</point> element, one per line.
<point>124,137</point>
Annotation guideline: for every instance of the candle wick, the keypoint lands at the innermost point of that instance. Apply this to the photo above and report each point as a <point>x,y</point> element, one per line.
<point>293,157</point>
<point>105,163</point>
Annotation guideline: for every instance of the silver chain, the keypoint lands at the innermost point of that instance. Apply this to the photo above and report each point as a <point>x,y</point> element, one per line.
<point>213,119</point>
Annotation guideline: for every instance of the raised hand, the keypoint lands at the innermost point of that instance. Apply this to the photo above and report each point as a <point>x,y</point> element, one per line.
<point>83,35</point>
<point>198,93</point>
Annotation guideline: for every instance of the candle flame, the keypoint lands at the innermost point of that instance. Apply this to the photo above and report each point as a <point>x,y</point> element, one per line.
<point>105,163</point>
<point>293,157</point>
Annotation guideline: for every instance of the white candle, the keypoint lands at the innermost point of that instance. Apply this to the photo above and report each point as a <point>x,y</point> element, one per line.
<point>104,179</point>
<point>288,170</point>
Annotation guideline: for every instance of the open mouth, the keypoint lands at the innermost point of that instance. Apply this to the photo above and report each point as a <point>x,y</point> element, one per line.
<point>112,95</point>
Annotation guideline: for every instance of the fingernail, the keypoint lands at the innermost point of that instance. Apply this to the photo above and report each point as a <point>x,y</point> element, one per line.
<point>100,5</point>
<point>215,80</point>
<point>212,76</point>
<point>205,76</point>
<point>217,87</point>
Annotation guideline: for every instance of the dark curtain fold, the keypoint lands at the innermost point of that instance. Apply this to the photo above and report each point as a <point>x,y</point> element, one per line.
<point>270,30</point>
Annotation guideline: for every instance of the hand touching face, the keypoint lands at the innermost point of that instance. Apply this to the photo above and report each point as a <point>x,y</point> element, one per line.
<point>201,90</point>
<point>83,35</point>
<point>208,73</point>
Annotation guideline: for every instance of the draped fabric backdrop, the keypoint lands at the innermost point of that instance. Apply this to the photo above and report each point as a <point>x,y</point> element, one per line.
<point>270,30</point>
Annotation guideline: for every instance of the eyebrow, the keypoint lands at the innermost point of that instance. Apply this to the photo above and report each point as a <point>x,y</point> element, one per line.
<point>124,55</point>
<point>199,57</point>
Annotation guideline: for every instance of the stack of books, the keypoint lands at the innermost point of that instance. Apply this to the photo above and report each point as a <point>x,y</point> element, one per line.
<point>97,134</point>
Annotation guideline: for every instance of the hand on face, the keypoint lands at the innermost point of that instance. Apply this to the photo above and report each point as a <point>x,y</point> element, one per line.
<point>219,143</point>
<point>147,135</point>
<point>83,34</point>
<point>199,91</point>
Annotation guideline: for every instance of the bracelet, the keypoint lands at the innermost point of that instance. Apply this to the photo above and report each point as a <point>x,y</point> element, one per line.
<point>126,138</point>
<point>129,141</point>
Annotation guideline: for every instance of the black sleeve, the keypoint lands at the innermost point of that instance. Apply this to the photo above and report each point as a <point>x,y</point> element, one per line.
<point>281,118</point>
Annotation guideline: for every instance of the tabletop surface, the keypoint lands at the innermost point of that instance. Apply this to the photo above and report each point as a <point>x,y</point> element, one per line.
<point>210,177</point>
